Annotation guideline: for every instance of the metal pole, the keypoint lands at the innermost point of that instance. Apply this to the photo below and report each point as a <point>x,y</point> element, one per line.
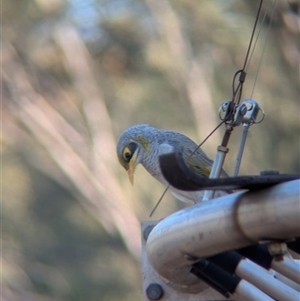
<point>265,282</point>
<point>287,267</point>
<point>247,291</point>
<point>216,170</point>
<point>230,222</point>
<point>241,149</point>
<point>248,118</point>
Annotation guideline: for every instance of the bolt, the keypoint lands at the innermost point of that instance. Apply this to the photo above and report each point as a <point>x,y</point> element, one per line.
<point>249,106</point>
<point>277,248</point>
<point>243,110</point>
<point>154,291</point>
<point>147,231</point>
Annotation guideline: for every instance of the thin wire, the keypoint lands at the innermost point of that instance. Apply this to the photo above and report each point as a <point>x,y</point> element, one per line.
<point>207,137</point>
<point>264,48</point>
<point>238,91</point>
<point>257,36</point>
<point>158,202</point>
<point>252,35</point>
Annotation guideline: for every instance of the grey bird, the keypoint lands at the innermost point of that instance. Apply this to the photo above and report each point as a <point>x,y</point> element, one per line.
<point>143,144</point>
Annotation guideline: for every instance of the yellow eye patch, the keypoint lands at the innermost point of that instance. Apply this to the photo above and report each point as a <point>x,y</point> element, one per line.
<point>127,154</point>
<point>129,151</point>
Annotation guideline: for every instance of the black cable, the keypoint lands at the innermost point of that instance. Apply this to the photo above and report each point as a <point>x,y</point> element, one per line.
<point>237,93</point>
<point>252,35</point>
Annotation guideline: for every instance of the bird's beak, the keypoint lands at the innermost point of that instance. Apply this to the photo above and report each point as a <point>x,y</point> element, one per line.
<point>132,166</point>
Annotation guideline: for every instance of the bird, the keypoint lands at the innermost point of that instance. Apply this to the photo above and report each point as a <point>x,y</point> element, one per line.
<point>143,144</point>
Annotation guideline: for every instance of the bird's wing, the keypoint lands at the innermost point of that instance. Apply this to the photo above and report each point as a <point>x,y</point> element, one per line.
<point>202,168</point>
<point>194,157</point>
<point>197,167</point>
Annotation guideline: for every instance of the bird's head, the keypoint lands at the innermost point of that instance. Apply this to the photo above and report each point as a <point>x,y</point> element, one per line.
<point>131,148</point>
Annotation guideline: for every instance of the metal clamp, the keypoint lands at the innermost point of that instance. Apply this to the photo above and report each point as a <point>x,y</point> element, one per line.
<point>252,111</point>
<point>245,112</point>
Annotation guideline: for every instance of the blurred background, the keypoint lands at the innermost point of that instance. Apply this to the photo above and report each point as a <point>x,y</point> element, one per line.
<point>76,74</point>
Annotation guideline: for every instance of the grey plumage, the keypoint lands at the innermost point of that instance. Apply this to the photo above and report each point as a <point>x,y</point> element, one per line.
<point>144,144</point>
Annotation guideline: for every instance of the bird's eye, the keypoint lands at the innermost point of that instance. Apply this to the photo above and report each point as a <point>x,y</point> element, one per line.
<point>127,154</point>
<point>129,151</point>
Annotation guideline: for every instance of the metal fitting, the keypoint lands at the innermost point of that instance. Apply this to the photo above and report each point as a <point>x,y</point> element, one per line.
<point>277,248</point>
<point>147,231</point>
<point>224,110</point>
<point>222,149</point>
<point>252,112</point>
<point>239,114</point>
<point>154,291</point>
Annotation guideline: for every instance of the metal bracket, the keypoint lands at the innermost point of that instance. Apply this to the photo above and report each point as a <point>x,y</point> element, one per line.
<point>157,288</point>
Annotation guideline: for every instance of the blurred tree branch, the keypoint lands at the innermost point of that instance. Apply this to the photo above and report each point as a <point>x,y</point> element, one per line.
<point>95,182</point>
<point>185,70</point>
